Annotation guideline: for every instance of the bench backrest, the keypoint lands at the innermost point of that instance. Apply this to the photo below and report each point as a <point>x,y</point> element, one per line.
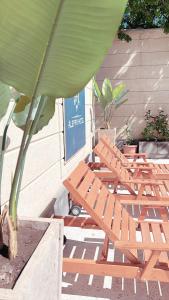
<point>117,153</point>
<point>88,190</point>
<point>113,163</point>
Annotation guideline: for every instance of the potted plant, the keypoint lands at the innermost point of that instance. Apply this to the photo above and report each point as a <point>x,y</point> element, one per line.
<point>44,62</point>
<point>110,99</point>
<point>155,135</point>
<point>129,147</point>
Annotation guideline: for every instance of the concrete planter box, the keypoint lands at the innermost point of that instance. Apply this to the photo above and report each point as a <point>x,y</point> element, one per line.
<point>41,277</point>
<point>155,149</point>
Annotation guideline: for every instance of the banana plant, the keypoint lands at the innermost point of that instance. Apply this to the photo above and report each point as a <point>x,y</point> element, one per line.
<point>5,98</point>
<point>110,98</point>
<point>51,49</point>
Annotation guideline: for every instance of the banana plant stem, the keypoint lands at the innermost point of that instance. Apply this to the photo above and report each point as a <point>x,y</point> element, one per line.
<point>4,138</point>
<point>12,199</point>
<point>27,143</point>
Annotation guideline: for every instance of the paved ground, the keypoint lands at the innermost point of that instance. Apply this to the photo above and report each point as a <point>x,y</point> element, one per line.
<point>84,243</point>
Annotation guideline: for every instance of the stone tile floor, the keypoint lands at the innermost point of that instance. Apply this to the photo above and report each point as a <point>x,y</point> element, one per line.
<point>85,243</point>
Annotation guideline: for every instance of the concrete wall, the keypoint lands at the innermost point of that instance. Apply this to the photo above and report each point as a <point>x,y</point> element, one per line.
<point>143,65</point>
<point>45,167</point>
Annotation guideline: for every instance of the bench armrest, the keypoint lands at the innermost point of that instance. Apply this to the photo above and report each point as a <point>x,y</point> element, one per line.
<point>135,154</point>
<point>141,163</point>
<point>145,182</point>
<point>139,168</point>
<point>141,245</point>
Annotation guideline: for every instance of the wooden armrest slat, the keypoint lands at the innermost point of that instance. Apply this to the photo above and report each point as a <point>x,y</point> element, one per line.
<point>136,154</point>
<point>139,168</point>
<point>141,245</point>
<point>145,182</point>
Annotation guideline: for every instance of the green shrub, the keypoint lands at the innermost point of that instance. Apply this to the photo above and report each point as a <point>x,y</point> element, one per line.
<point>157,127</point>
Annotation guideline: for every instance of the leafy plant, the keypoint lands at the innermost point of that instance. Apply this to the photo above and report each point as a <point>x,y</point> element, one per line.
<point>110,98</point>
<point>144,14</point>
<point>157,127</point>
<point>129,139</point>
<point>58,47</point>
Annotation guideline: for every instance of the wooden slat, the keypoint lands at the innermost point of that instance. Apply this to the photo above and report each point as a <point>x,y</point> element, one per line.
<point>156,192</point>
<point>163,190</point>
<point>163,168</point>
<point>101,201</point>
<point>157,169</point>
<point>93,194</point>
<point>104,151</point>
<point>117,219</point>
<point>132,229</point>
<point>76,176</point>
<point>125,225</point>
<point>165,229</point>
<point>158,238</point>
<point>167,167</point>
<point>145,231</point>
<point>148,190</point>
<point>123,174</point>
<point>109,158</point>
<point>112,165</point>
<point>86,183</point>
<point>109,210</point>
<point>166,184</point>
<point>132,234</point>
<point>118,166</point>
<point>100,146</point>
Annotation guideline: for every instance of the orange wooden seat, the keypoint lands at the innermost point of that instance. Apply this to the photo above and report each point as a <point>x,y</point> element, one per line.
<point>138,188</point>
<point>121,229</point>
<point>156,171</point>
<point>113,170</point>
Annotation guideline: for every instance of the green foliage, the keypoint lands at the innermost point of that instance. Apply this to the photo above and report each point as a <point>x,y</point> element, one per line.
<point>109,98</point>
<point>54,47</point>
<point>157,127</point>
<point>145,14</point>
<point>129,139</point>
<point>48,50</point>
<point>5,97</point>
<point>22,108</point>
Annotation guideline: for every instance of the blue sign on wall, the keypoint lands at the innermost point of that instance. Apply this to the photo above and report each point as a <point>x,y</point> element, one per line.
<point>74,124</point>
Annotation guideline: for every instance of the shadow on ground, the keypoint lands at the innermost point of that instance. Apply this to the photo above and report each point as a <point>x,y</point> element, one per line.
<point>104,287</point>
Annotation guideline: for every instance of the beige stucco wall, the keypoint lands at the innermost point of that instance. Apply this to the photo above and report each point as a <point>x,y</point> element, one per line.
<point>45,167</point>
<point>143,65</point>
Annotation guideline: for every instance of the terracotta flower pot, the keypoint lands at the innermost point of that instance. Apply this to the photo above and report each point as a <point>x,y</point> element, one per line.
<point>129,149</point>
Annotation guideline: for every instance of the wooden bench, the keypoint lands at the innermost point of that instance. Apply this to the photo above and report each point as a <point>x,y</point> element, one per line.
<point>121,229</point>
<point>156,171</point>
<point>113,172</point>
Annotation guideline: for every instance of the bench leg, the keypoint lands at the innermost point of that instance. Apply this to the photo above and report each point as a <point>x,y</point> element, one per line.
<point>105,249</point>
<point>150,264</point>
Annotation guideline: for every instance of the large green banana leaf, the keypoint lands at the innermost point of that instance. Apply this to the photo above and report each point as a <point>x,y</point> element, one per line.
<point>5,96</point>
<point>21,112</point>
<point>53,47</point>
<point>107,92</point>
